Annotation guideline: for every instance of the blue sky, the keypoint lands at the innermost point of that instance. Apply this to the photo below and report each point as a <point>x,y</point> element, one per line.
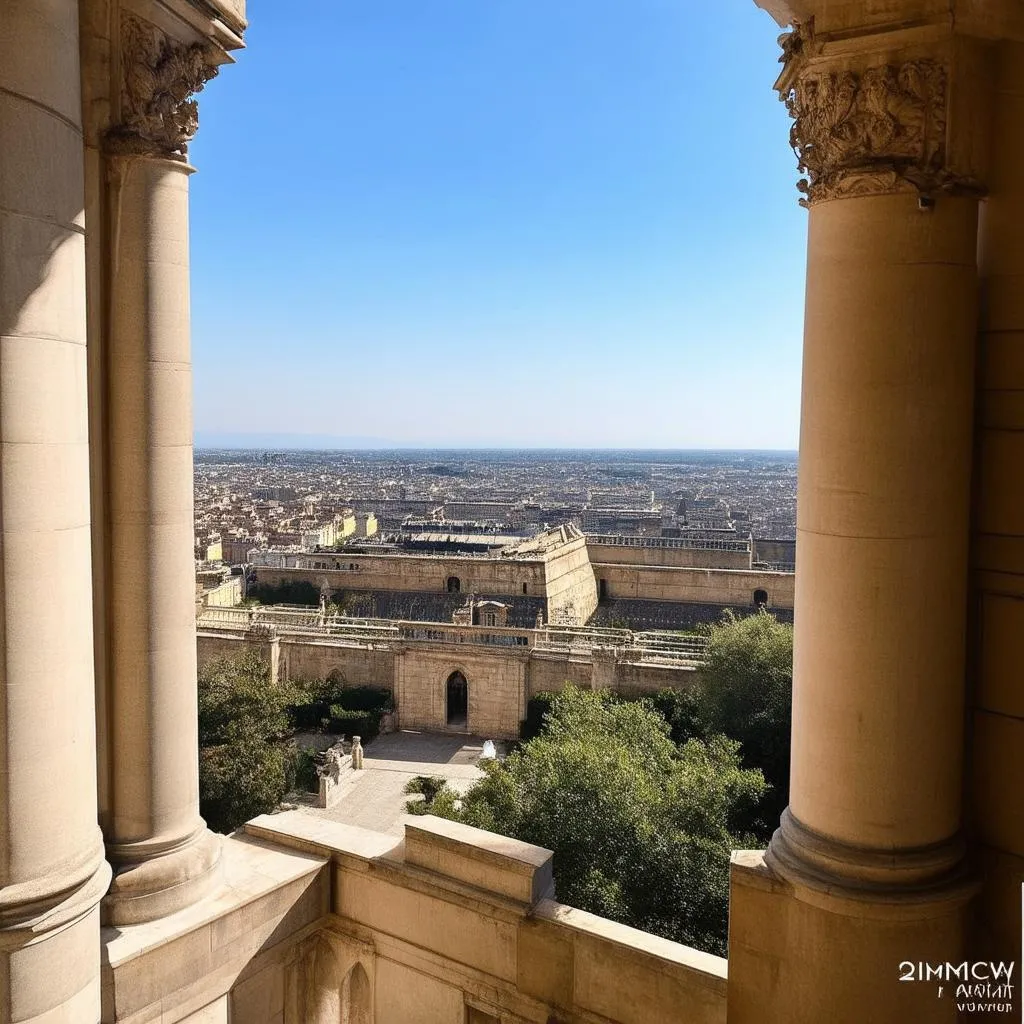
<point>499,223</point>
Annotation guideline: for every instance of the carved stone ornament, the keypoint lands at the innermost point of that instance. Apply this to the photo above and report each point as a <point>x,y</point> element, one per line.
<point>875,131</point>
<point>159,77</point>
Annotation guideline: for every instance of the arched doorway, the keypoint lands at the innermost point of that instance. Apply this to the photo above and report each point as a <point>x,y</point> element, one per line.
<point>355,997</point>
<point>454,584</point>
<point>760,598</point>
<point>456,700</point>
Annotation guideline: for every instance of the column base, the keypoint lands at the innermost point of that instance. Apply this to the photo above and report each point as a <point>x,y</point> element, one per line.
<point>808,945</point>
<point>150,883</point>
<point>816,864</point>
<point>49,945</point>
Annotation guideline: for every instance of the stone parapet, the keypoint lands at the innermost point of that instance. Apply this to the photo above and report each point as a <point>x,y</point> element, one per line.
<point>167,969</point>
<point>506,866</point>
<point>453,924</point>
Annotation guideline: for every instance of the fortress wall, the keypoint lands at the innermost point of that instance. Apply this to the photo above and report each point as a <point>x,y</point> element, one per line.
<point>211,646</point>
<point>500,680</point>
<point>626,554</point>
<point>637,680</point>
<point>723,587</point>
<point>495,576</point>
<point>496,687</point>
<point>570,585</point>
<point>783,551</point>
<point>548,673</point>
<point>360,666</point>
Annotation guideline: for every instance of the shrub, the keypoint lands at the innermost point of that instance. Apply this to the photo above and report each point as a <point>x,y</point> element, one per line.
<point>239,780</point>
<point>429,786</point>
<point>364,724</point>
<point>681,710</point>
<point>309,716</point>
<point>244,766</point>
<point>306,777</point>
<point>366,698</point>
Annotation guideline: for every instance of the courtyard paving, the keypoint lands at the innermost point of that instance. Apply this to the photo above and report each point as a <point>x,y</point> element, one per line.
<point>376,799</point>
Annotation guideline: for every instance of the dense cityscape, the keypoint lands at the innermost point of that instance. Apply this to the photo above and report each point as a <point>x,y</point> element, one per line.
<point>272,499</point>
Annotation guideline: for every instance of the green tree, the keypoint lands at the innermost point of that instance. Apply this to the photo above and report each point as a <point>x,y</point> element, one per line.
<point>641,829</point>
<point>681,710</point>
<point>746,692</point>
<point>245,767</point>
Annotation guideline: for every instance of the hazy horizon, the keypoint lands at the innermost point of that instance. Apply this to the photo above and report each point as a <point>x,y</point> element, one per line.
<point>204,441</point>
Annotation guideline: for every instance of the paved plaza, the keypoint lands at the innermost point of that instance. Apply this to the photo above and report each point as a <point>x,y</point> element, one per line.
<point>376,799</point>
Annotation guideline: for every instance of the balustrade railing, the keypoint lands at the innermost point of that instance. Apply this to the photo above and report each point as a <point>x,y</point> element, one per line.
<point>308,623</point>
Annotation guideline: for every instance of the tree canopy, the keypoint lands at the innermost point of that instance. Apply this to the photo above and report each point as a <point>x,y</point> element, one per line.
<point>243,768</point>
<point>746,692</point>
<point>641,829</point>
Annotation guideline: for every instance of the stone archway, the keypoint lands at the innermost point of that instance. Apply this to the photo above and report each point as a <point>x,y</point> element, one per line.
<point>328,982</point>
<point>356,1005</point>
<point>457,701</point>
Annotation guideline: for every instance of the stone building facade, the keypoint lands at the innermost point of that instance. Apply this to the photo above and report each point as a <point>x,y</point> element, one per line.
<point>902,841</point>
<point>501,668</point>
<point>645,583</point>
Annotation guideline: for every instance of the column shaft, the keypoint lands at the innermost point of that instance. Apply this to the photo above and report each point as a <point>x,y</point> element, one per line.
<point>866,869</point>
<point>163,856</point>
<point>883,507</point>
<point>52,872</point>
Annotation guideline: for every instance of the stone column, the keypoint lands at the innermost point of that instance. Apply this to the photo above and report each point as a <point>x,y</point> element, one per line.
<point>163,855</point>
<point>52,871</point>
<point>866,869</point>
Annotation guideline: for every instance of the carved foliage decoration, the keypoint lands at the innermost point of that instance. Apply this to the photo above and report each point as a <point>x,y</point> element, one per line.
<point>159,77</point>
<point>882,129</point>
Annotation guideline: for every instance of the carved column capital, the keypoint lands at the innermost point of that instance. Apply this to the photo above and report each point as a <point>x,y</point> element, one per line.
<point>159,76</point>
<point>877,127</point>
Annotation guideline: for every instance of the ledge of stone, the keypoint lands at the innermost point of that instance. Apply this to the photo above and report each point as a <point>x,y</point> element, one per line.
<point>321,836</point>
<point>481,859</point>
<point>452,853</point>
<point>709,970</point>
<point>748,867</point>
<point>194,956</point>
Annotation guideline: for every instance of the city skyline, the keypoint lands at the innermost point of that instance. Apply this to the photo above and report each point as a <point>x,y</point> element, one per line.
<point>522,228</point>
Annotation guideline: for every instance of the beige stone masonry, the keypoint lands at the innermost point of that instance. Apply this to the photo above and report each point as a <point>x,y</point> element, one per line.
<point>437,945</point>
<point>52,871</point>
<point>482,859</point>
<point>166,969</point>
